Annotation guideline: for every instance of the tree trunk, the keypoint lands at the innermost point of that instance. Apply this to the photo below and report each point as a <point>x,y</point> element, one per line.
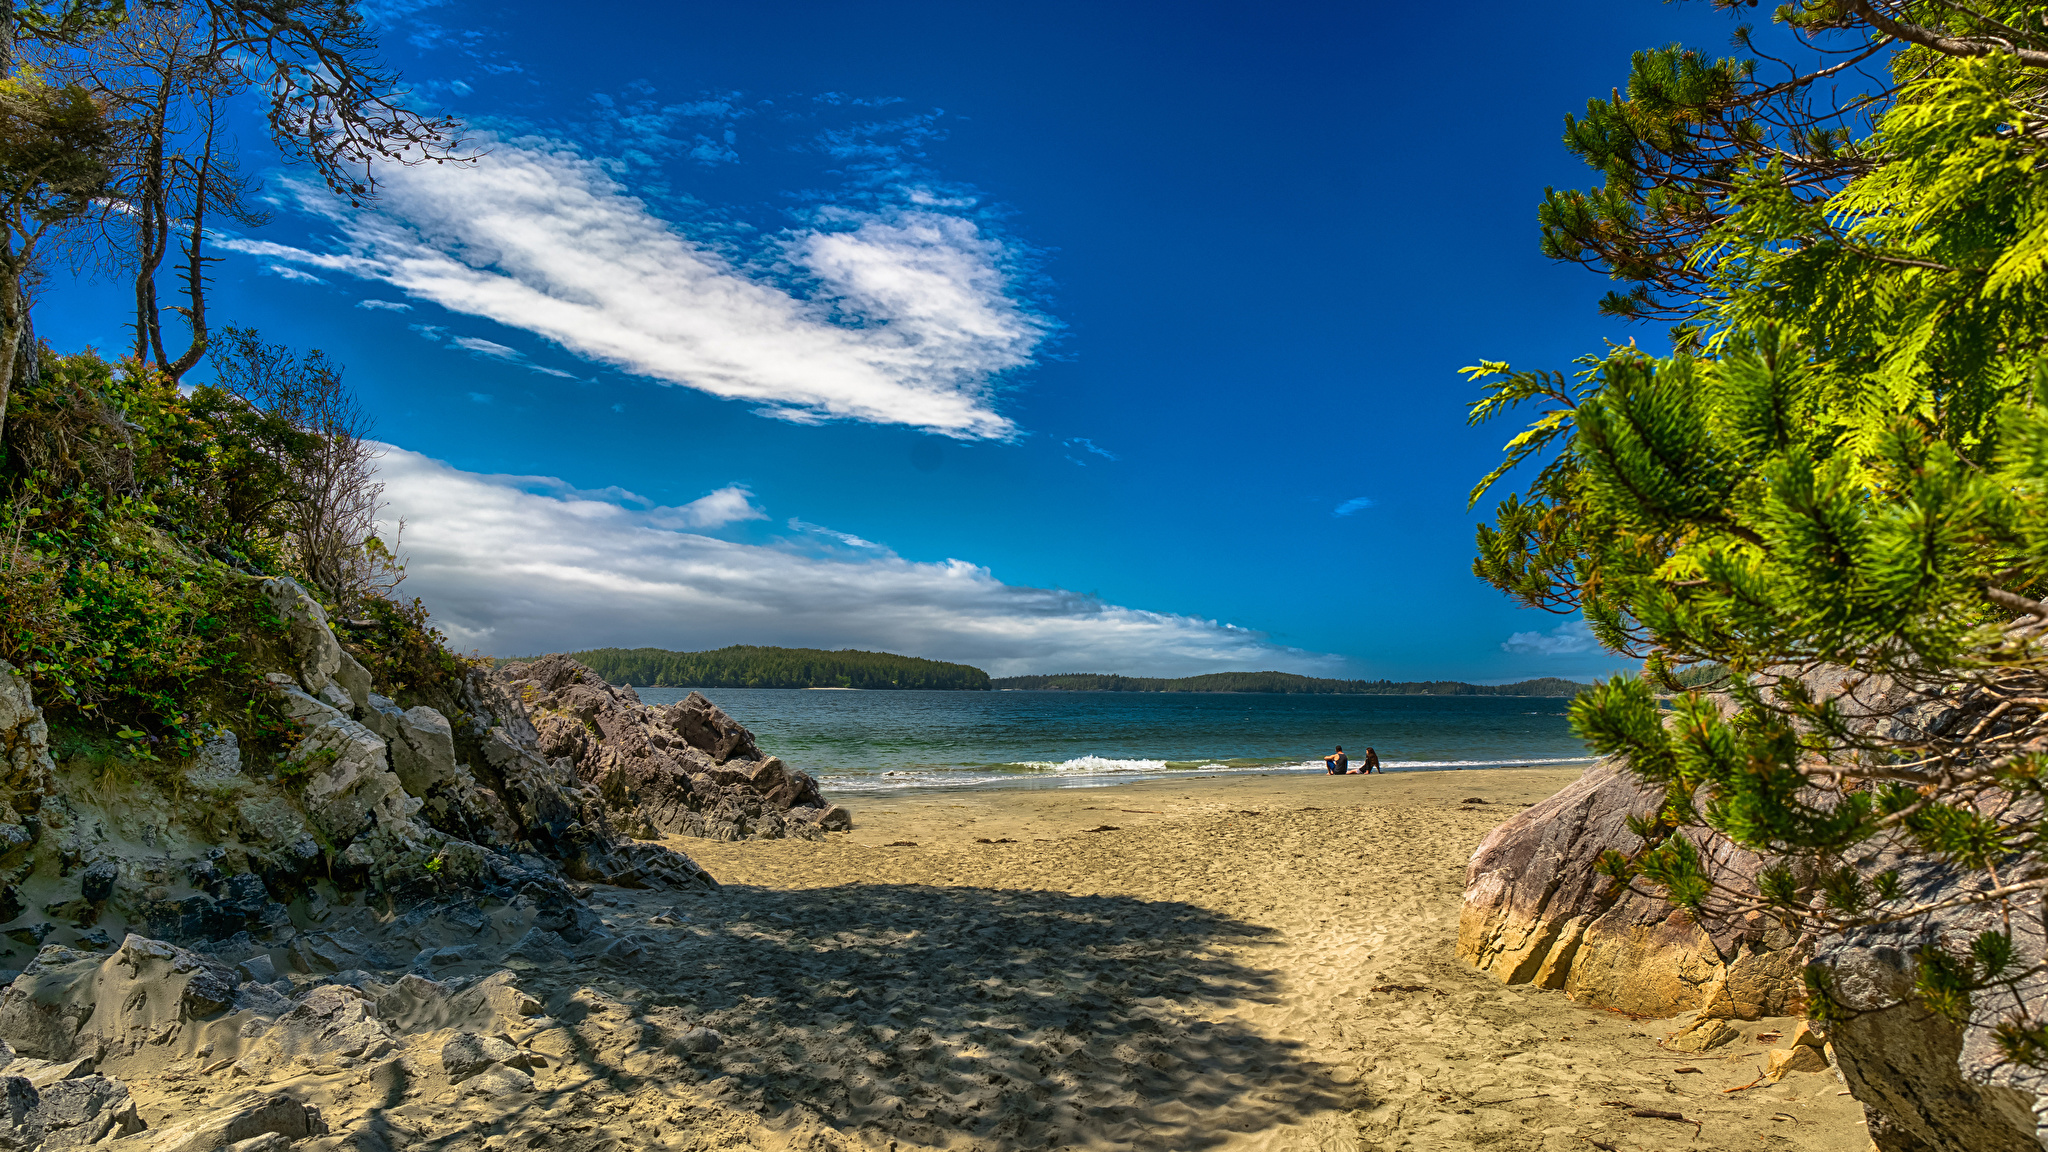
<point>13,322</point>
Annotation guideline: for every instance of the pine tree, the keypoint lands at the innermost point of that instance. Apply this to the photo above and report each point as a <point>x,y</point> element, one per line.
<point>1841,464</point>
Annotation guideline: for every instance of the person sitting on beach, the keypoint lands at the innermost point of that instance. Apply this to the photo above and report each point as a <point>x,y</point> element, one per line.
<point>1371,763</point>
<point>1337,762</point>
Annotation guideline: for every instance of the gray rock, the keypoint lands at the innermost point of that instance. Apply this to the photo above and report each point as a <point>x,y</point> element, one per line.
<point>332,1021</point>
<point>262,999</point>
<point>539,947</point>
<point>21,1124</point>
<point>218,762</point>
<point>312,641</point>
<point>85,1111</point>
<point>354,679</point>
<point>468,1053</point>
<point>1925,1084</point>
<point>96,883</point>
<point>348,786</point>
<point>25,764</point>
<point>259,968</point>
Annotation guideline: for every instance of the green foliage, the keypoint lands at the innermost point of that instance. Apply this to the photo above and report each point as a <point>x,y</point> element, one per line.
<point>1825,504</point>
<point>130,595</point>
<point>746,666</point>
<point>407,657</point>
<point>1280,682</point>
<point>55,148</point>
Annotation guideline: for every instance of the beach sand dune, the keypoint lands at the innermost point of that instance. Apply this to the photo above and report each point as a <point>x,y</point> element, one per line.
<point>1236,963</point>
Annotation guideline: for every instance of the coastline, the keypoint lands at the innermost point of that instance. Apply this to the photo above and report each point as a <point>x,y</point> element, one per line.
<point>1225,963</point>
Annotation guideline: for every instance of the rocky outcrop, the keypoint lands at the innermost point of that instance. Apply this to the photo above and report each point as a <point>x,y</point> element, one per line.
<point>688,768</point>
<point>1536,912</point>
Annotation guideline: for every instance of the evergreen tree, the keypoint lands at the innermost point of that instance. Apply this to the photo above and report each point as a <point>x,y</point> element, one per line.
<point>1841,465</point>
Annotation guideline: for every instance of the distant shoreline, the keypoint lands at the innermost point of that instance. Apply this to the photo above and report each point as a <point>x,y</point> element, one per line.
<point>1112,691</point>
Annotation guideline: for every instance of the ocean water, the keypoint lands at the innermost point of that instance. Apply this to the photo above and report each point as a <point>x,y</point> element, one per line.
<point>898,742</point>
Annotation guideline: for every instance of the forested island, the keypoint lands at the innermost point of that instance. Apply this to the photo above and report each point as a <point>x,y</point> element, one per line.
<point>748,666</point>
<point>1285,682</point>
<point>753,666</point>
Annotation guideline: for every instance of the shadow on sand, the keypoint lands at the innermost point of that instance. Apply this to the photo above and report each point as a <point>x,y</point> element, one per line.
<point>940,1015</point>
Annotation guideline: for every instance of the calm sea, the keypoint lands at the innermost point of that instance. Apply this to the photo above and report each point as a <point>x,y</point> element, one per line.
<point>884,742</point>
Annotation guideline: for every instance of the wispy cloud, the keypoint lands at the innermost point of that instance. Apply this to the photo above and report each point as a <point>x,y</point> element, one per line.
<point>894,315</point>
<point>296,275</point>
<point>483,347</point>
<point>1355,504</point>
<point>846,538</point>
<point>490,349</point>
<point>383,306</point>
<point>522,564</point>
<point>1570,638</point>
<point>1083,444</point>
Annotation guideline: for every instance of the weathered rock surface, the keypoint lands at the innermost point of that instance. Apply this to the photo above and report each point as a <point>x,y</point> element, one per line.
<point>688,768</point>
<point>333,1022</point>
<point>251,1116</point>
<point>468,1053</point>
<point>319,653</point>
<point>1536,912</point>
<point>69,1003</point>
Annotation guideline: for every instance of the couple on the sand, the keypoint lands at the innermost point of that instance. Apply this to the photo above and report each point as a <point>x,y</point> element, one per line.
<point>1340,765</point>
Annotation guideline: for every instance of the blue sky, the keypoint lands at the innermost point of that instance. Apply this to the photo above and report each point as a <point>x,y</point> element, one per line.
<point>1051,337</point>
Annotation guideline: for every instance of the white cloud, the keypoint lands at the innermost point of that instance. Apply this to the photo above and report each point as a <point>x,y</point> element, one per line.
<point>384,305</point>
<point>898,316</point>
<point>485,347</point>
<point>516,565</point>
<point>729,505</point>
<point>1567,639</point>
<point>1355,504</point>
<point>296,275</point>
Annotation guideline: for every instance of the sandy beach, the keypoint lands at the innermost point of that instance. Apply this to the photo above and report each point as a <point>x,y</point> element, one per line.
<point>1226,963</point>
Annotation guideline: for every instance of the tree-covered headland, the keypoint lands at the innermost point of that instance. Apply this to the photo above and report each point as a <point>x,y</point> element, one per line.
<point>748,666</point>
<point>141,508</point>
<point>1836,465</point>
<point>1282,682</point>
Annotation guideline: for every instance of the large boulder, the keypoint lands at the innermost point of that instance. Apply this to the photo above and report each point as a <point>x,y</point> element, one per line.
<point>1537,912</point>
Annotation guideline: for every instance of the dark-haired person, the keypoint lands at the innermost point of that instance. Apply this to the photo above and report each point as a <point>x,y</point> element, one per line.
<point>1371,763</point>
<point>1337,762</point>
